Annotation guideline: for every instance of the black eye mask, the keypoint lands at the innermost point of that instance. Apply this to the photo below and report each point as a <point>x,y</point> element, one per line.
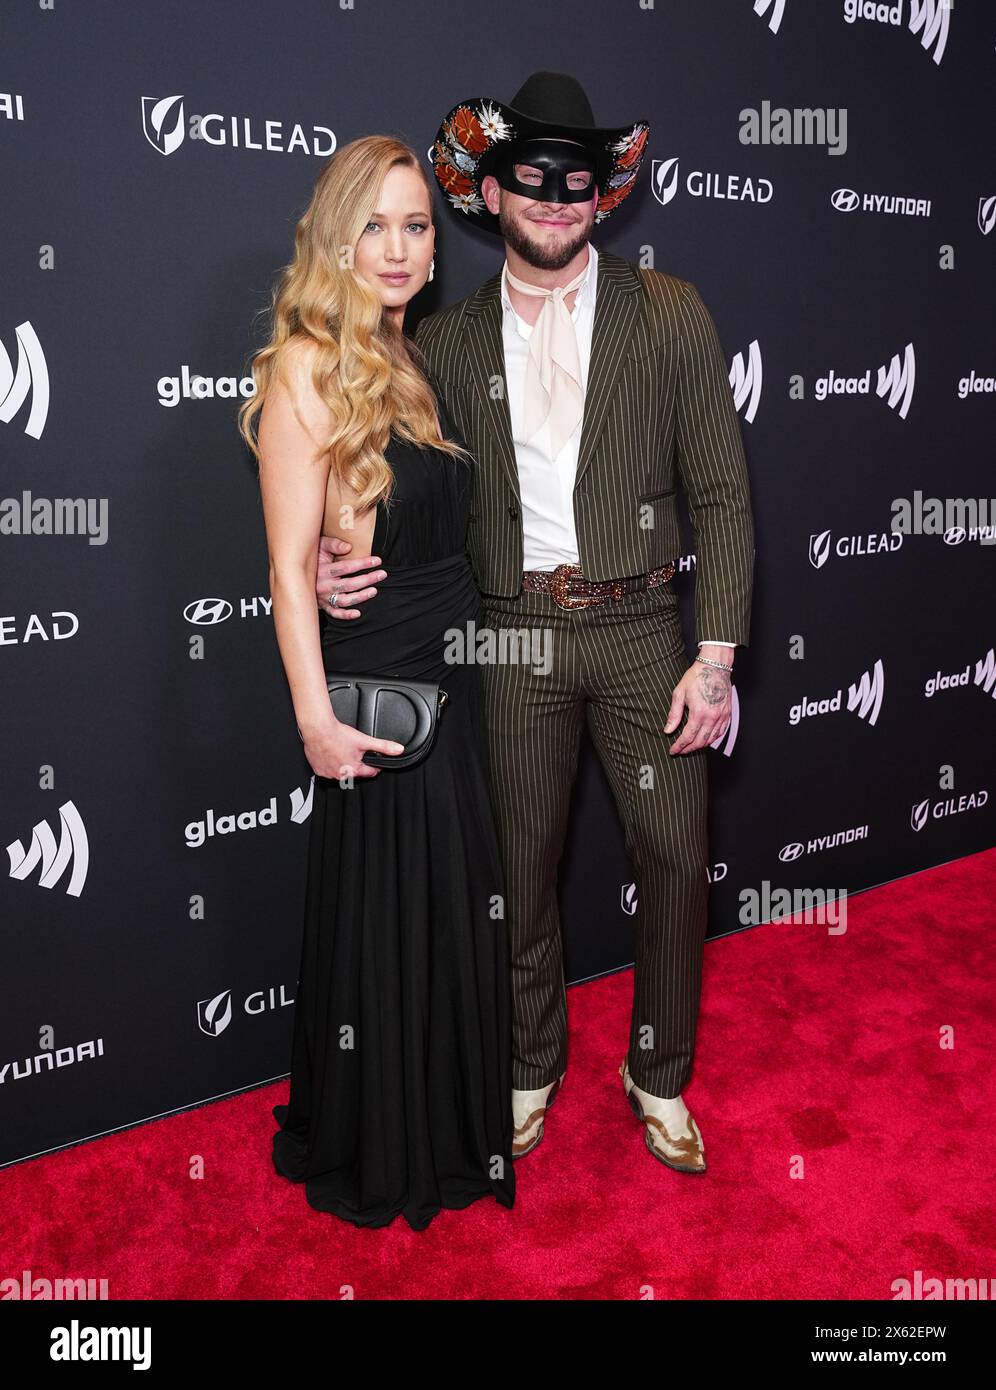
<point>555,159</point>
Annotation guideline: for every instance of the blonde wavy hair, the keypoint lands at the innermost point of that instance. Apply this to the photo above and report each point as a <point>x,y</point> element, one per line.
<point>363,367</point>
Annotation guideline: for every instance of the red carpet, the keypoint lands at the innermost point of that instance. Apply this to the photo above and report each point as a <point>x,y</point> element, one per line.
<point>812,1047</point>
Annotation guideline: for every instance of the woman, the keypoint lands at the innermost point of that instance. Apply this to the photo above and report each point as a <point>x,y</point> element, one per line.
<point>400,1094</point>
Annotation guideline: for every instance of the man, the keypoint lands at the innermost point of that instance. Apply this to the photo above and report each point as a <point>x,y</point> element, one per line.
<point>587,389</point>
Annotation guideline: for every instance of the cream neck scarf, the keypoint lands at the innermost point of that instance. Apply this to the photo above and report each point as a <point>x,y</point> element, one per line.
<point>553,370</point>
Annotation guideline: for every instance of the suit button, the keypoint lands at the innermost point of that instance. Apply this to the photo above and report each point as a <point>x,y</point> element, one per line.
<point>513,510</point>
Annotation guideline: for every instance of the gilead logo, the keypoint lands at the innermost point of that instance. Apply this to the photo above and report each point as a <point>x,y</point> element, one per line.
<point>164,126</point>
<point>214,1015</point>
<point>702,184</point>
<point>924,811</point>
<point>847,547</point>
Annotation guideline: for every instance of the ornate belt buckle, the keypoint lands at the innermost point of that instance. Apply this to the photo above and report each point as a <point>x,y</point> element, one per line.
<point>558,588</point>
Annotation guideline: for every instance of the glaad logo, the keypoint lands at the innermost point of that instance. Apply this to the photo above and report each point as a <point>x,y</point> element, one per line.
<point>173,389</point>
<point>728,740</point>
<point>987,214</point>
<point>846,200</point>
<point>228,822</point>
<point>214,1015</point>
<point>864,697</point>
<point>72,852</point>
<point>933,18</point>
<point>848,546</point>
<point>928,18</point>
<point>31,374</point>
<point>746,378</point>
<point>700,184</point>
<point>777,8</point>
<point>975,385</point>
<point>629,899</point>
<point>795,850</point>
<point>164,127</point>
<point>196,832</point>
<point>984,678</point>
<point>301,802</point>
<point>923,811</point>
<point>897,379</point>
<point>985,673</point>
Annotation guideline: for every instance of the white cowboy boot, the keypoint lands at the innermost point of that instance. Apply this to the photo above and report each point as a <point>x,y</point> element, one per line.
<point>671,1133</point>
<point>528,1113</point>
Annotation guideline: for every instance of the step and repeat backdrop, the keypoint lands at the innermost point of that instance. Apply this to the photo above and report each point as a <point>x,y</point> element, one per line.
<point>824,173</point>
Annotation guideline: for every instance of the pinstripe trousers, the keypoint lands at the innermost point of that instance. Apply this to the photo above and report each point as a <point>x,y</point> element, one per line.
<point>614,666</point>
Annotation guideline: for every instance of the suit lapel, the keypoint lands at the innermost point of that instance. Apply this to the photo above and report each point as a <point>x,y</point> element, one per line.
<point>616,313</point>
<point>486,353</point>
<point>616,310</point>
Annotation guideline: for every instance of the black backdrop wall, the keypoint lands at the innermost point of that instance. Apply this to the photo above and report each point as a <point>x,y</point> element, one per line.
<point>149,960</point>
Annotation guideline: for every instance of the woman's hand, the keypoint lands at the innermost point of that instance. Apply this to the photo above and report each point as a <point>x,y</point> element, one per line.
<point>348,576</point>
<point>337,751</point>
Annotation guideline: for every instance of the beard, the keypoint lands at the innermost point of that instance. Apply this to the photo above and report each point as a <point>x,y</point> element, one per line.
<point>559,255</point>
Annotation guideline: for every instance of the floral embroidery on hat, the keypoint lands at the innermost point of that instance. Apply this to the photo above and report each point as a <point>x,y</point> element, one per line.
<point>474,129</point>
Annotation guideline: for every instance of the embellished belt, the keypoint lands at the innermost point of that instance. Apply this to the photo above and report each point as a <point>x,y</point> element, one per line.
<point>570,589</point>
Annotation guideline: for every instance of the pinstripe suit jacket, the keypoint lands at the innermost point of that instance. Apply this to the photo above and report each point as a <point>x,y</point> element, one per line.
<point>658,411</point>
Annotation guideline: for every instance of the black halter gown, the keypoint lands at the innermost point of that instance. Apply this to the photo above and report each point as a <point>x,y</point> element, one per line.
<point>400,1092</point>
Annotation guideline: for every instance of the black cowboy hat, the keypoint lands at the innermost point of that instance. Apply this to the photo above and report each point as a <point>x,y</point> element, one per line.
<point>549,104</point>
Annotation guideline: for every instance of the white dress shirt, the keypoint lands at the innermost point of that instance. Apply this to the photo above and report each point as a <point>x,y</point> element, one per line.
<point>546,484</point>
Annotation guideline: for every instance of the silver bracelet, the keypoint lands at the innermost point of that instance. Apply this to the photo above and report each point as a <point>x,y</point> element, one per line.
<point>707,661</point>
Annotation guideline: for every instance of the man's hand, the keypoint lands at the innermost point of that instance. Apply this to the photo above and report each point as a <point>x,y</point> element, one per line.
<point>348,576</point>
<point>707,692</point>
